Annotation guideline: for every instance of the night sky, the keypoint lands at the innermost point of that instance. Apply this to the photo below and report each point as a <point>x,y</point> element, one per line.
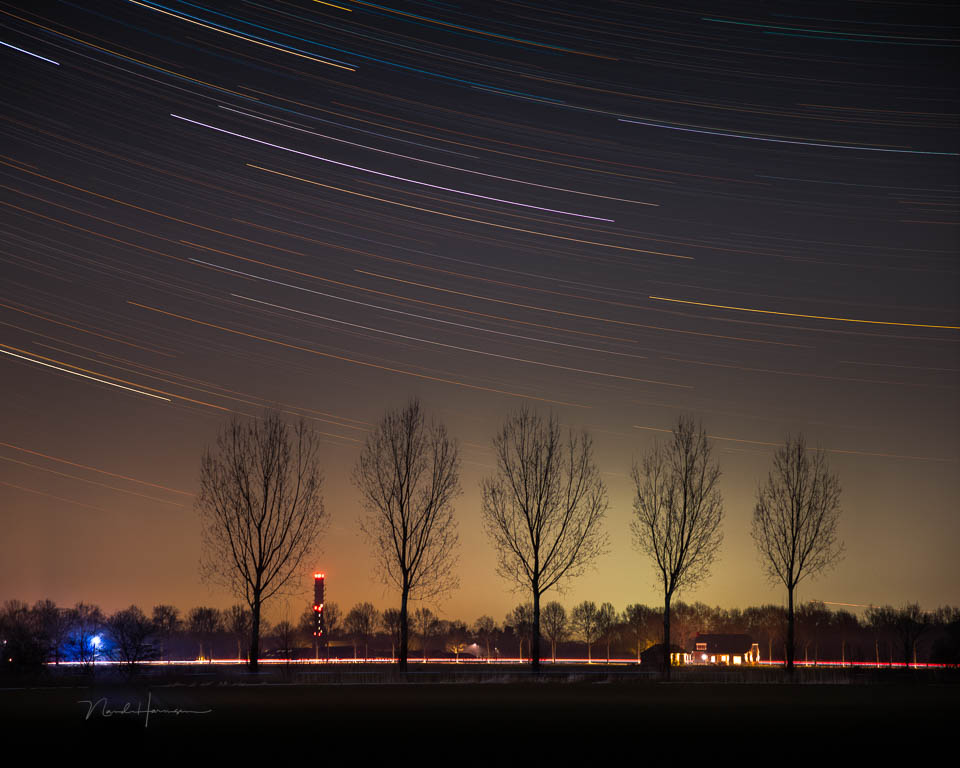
<point>620,211</point>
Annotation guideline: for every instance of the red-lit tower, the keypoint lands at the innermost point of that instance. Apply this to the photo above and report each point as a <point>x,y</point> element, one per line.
<point>318,628</point>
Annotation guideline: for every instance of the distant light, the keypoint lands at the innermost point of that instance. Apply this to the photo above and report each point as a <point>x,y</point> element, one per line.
<point>96,641</point>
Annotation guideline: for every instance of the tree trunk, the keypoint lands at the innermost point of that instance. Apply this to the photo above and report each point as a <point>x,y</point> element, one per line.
<point>535,640</point>
<point>254,634</point>
<point>666,636</point>
<point>402,658</point>
<point>790,630</point>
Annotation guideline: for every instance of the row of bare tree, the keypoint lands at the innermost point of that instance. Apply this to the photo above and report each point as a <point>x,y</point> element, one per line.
<point>262,510</point>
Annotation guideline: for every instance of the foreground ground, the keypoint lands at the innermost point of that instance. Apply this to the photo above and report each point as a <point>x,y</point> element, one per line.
<point>367,716</point>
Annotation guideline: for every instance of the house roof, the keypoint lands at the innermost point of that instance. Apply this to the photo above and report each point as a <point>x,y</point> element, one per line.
<point>723,643</point>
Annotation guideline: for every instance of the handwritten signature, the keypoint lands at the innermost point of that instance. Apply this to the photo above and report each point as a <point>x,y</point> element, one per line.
<point>128,709</point>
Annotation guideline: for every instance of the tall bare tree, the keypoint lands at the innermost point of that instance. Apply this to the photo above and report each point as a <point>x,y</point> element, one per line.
<point>544,507</point>
<point>795,522</point>
<point>261,510</point>
<point>408,475</point>
<point>678,512</point>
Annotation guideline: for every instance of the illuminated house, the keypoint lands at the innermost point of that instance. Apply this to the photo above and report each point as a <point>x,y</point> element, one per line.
<point>725,650</point>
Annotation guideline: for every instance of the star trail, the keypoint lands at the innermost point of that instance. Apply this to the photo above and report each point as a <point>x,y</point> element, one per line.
<point>620,211</point>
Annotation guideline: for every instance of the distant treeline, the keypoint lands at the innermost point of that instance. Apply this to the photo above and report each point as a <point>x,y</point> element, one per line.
<point>32,636</point>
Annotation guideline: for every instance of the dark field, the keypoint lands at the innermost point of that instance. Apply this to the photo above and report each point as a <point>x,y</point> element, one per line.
<point>567,711</point>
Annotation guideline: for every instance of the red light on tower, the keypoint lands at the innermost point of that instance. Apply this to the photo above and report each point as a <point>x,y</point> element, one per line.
<point>318,628</point>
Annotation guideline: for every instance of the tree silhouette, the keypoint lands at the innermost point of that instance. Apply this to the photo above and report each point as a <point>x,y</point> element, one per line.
<point>583,619</point>
<point>678,511</point>
<point>544,507</point>
<point>360,624</point>
<point>426,625</point>
<point>237,621</point>
<point>607,625</point>
<point>166,622</point>
<point>132,634</point>
<point>520,621</point>
<point>408,475</point>
<point>204,623</point>
<point>795,522</point>
<point>638,618</point>
<point>390,620</point>
<point>86,622</point>
<point>554,621</point>
<point>261,510</point>
<point>484,627</point>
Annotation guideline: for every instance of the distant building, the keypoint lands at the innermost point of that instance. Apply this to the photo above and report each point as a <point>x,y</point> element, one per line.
<point>722,650</point>
<point>653,656</point>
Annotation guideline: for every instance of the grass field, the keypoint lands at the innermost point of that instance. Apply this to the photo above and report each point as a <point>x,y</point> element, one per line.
<point>480,714</point>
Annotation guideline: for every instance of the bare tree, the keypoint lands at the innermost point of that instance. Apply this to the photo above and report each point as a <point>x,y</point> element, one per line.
<point>361,623</point>
<point>86,622</point>
<point>678,512</point>
<point>286,636</point>
<point>52,628</point>
<point>907,623</point>
<point>456,638</point>
<point>166,622</point>
<point>639,618</point>
<point>132,633</point>
<point>333,619</point>
<point>520,621</point>
<point>484,627</point>
<point>425,625</point>
<point>261,510</point>
<point>408,475</point>
<point>544,508</point>
<point>583,619</point>
<point>390,621</point>
<point>24,650</point>
<point>554,619</point>
<point>237,620</point>
<point>607,625</point>
<point>204,623</point>
<point>795,522</point>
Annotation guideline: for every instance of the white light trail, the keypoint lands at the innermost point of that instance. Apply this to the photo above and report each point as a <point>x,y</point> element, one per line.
<point>391,176</point>
<point>84,376</point>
